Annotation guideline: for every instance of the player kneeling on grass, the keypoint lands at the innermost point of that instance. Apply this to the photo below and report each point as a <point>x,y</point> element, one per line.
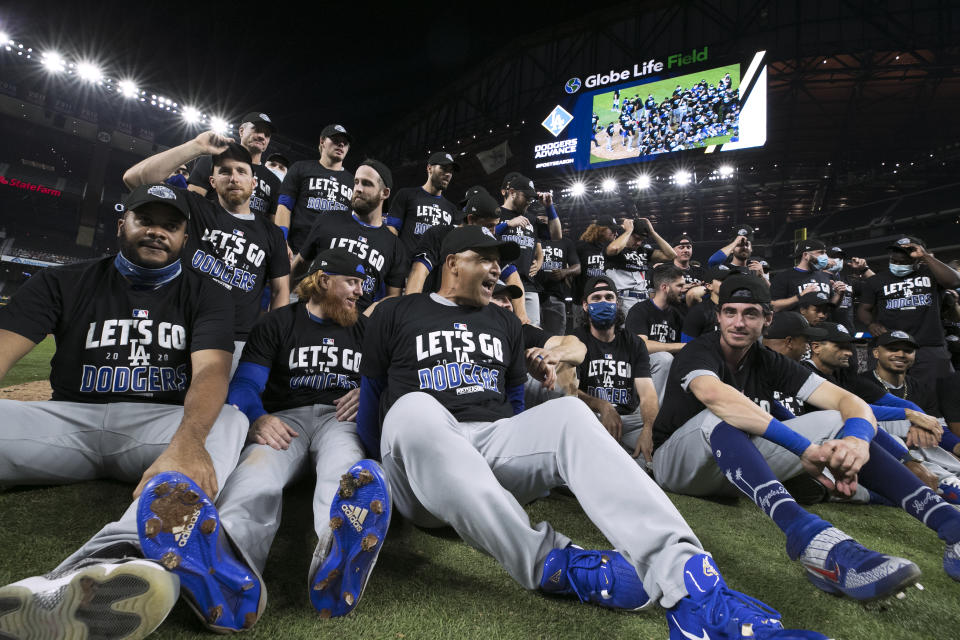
<point>713,434</point>
<point>459,450</point>
<point>301,363</point>
<point>139,382</point>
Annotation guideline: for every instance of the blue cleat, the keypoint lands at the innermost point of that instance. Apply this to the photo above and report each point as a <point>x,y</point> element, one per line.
<point>180,528</point>
<point>837,564</point>
<point>714,611</point>
<point>603,578</point>
<point>951,561</point>
<point>359,519</point>
<point>950,489</point>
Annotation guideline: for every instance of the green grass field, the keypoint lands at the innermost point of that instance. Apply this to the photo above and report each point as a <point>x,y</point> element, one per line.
<point>34,366</point>
<point>431,585</point>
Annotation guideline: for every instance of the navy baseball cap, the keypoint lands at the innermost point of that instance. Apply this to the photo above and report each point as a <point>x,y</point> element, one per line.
<point>790,324</point>
<point>810,245</point>
<point>336,130</point>
<point>681,238</point>
<point>814,299</point>
<point>482,205</point>
<point>741,287</point>
<point>598,283</point>
<point>746,231</point>
<point>901,244</point>
<point>521,183</point>
<point>472,191</point>
<point>476,237</point>
<point>279,158</point>
<point>258,117</point>
<point>896,337</point>
<point>835,333</point>
<point>512,290</point>
<point>338,262</point>
<point>158,193</point>
<point>443,158</point>
<point>720,272</point>
<point>836,252</point>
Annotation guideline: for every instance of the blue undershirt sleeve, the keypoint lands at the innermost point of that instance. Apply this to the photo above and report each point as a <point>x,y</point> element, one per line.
<point>883,414</point>
<point>780,412</point>
<point>286,201</point>
<point>246,386</point>
<point>515,395</point>
<point>716,258</point>
<point>890,400</point>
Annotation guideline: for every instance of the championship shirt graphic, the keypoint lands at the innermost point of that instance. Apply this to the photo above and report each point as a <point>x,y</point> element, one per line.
<point>459,360</point>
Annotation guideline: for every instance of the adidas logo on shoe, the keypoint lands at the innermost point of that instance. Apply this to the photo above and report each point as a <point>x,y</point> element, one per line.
<point>182,534</point>
<point>555,578</point>
<point>356,515</point>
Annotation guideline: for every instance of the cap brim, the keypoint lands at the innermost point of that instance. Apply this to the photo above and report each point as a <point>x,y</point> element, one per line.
<point>815,333</point>
<point>512,291</point>
<point>900,341</point>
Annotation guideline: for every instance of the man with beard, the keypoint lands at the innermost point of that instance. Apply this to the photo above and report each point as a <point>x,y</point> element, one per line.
<point>657,322</point>
<point>629,256</point>
<point>738,253</point>
<point>702,317</point>
<point>447,371</point>
<point>298,384</point>
<point>808,276</point>
<point>414,210</point>
<point>139,381</point>
<point>255,133</point>
<point>691,271</point>
<point>363,233</point>
<point>236,249</point>
<point>515,226</point>
<point>313,188</point>
<point>715,435</point>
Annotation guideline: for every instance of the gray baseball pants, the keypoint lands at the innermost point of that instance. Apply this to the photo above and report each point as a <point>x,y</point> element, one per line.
<point>250,502</point>
<point>531,303</point>
<point>553,315</point>
<point>474,476</point>
<point>937,461</point>
<point>237,352</point>
<point>659,371</point>
<point>65,442</point>
<point>685,463</point>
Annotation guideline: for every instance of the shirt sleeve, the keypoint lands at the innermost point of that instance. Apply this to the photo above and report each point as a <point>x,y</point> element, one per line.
<point>517,371</point>
<point>533,337</point>
<point>398,209</point>
<point>279,263</point>
<point>693,362</point>
<point>263,342</point>
<point>35,310</point>
<point>213,320</point>
<point>788,377</point>
<point>291,183</point>
<point>377,350</point>
<point>399,267</point>
<point>201,172</point>
<point>573,257</point>
<point>639,357</point>
<point>637,322</point>
<point>780,288</point>
<point>308,250</point>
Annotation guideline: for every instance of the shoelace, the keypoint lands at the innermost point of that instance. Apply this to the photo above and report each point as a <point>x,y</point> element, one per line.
<point>587,565</point>
<point>725,605</point>
<point>854,553</point>
<point>951,481</point>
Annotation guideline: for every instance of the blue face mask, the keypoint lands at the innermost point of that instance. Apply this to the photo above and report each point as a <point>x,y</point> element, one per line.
<point>901,270</point>
<point>602,314</point>
<point>821,262</point>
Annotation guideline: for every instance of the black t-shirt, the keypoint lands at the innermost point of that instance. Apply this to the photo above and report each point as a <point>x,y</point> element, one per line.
<point>534,337</point>
<point>310,362</point>
<point>948,394</point>
<point>593,263</point>
<point>660,325</point>
<point>847,379</point>
<point>116,343</point>
<point>315,190</point>
<point>265,192</point>
<point>635,259</point>
<point>921,394</point>
<point>693,274</point>
<point>609,368</point>
<point>761,373</point>
<point>428,250</point>
<point>557,254</point>
<point>419,211</point>
<point>241,256</point>
<point>380,250</point>
<point>910,303</point>
<point>701,318</point>
<point>525,236</point>
<point>787,284</point>
<point>843,313</point>
<point>465,357</point>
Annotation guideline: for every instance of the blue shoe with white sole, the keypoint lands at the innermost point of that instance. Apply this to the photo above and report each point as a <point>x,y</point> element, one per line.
<point>359,519</point>
<point>179,527</point>
<point>604,578</point>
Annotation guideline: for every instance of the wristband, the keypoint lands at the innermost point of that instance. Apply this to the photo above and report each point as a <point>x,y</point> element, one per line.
<point>552,212</point>
<point>781,434</point>
<point>857,428</point>
<point>285,231</point>
<point>500,228</point>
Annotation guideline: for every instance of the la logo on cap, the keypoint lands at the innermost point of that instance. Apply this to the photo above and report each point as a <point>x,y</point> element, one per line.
<point>842,329</point>
<point>265,117</point>
<point>161,191</point>
<point>339,128</point>
<point>903,241</point>
<point>900,334</point>
<point>488,232</point>
<point>449,157</point>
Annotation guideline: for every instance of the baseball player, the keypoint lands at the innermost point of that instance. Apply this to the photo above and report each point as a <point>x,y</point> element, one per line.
<point>614,376</point>
<point>738,253</point>
<point>628,256</point>
<point>561,263</point>
<point>139,380</point>
<point>593,258</point>
<point>657,322</point>
<point>363,233</point>
<point>254,133</point>
<point>692,271</point>
<point>702,317</point>
<point>907,298</point>
<point>278,163</point>
<point>808,276</point>
<point>313,188</point>
<point>459,450</point>
<point>414,210</point>
<point>515,226</point>
<point>814,306</point>
<point>720,393</point>
<point>298,384</point>
<point>226,242</point>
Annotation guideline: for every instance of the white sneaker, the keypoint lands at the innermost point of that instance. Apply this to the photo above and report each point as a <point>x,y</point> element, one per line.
<point>118,599</point>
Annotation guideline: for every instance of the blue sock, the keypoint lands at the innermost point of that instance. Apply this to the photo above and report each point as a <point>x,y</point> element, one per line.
<point>744,466</point>
<point>884,474</point>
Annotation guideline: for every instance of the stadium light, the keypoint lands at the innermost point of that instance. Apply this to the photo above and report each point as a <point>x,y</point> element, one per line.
<point>54,62</point>
<point>89,72</point>
<point>218,125</point>
<point>643,181</point>
<point>682,178</point>
<point>128,89</point>
<point>191,115</point>
<point>578,189</point>
<point>726,171</point>
<point>4,37</point>
<point>609,185</point>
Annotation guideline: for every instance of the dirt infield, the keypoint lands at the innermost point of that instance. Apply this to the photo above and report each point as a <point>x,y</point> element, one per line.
<point>39,390</point>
